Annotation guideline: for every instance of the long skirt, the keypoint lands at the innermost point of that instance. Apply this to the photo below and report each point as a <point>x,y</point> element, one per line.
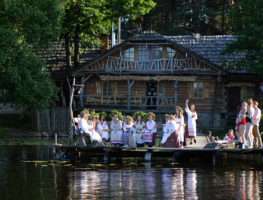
<point>116,137</point>
<point>126,137</point>
<point>172,141</point>
<point>149,138</point>
<point>187,132</point>
<point>104,135</point>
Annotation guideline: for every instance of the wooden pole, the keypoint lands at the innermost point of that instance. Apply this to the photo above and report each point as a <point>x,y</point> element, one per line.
<point>71,112</point>
<point>130,84</point>
<point>175,92</point>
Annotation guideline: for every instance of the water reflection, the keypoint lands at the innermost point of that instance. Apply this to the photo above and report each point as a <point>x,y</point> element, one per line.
<point>23,181</point>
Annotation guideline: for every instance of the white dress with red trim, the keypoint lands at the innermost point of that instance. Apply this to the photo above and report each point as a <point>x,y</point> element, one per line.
<point>150,129</point>
<point>116,132</point>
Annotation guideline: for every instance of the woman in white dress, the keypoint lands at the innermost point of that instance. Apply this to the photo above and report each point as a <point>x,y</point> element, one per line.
<point>150,130</point>
<point>170,136</point>
<point>127,130</point>
<point>139,129</point>
<point>102,127</point>
<point>116,131</point>
<point>95,136</point>
<point>179,120</point>
<point>191,121</point>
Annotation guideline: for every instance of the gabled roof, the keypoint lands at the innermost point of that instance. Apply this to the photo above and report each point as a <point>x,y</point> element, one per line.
<point>151,36</point>
<point>209,47</point>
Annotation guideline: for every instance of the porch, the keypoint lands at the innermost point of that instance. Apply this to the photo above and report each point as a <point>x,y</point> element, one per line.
<point>123,101</point>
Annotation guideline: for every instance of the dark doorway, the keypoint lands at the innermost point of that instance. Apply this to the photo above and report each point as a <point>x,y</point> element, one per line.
<point>233,99</point>
<point>151,92</point>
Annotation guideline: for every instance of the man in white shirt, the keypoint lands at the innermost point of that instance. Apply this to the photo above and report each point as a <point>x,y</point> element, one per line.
<point>255,121</point>
<point>85,128</point>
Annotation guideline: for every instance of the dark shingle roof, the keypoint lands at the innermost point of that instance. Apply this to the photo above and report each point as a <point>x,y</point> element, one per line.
<point>209,47</point>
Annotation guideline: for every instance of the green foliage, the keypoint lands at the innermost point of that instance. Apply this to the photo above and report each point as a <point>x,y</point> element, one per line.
<point>86,20</point>
<point>246,17</point>
<point>113,112</point>
<point>24,26</point>
<point>143,114</point>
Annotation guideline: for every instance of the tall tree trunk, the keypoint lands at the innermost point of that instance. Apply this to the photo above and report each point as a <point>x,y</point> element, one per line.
<point>223,17</point>
<point>68,50</point>
<point>76,46</point>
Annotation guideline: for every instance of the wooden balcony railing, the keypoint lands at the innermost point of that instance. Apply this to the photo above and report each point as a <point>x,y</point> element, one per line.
<point>116,64</point>
<point>122,100</point>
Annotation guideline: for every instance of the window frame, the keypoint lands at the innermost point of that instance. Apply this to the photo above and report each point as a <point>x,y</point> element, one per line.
<point>198,96</point>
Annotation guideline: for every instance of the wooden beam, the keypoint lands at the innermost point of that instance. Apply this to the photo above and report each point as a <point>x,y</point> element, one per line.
<point>175,92</point>
<point>147,78</point>
<point>130,84</point>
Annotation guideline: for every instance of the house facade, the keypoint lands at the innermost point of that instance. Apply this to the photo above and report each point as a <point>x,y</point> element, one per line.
<point>155,73</point>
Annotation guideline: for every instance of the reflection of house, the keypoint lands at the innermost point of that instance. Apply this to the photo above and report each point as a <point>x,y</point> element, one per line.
<point>153,72</point>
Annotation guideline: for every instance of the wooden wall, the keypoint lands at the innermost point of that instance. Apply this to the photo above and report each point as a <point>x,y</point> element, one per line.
<point>218,101</point>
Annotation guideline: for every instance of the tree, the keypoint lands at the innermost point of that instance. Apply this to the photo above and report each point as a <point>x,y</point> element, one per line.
<point>86,20</point>
<point>27,26</point>
<point>246,19</point>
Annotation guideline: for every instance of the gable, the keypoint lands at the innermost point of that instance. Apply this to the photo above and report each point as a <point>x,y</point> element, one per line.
<point>151,56</point>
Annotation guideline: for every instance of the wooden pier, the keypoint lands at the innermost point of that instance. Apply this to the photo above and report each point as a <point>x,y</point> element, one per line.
<point>148,154</point>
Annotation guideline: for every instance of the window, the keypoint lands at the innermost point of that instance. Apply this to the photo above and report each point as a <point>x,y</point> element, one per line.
<point>143,53</point>
<point>157,52</point>
<point>198,90</point>
<point>129,53</point>
<point>170,53</point>
<point>107,88</point>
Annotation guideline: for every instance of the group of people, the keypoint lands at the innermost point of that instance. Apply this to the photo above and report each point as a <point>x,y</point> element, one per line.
<point>247,125</point>
<point>139,130</point>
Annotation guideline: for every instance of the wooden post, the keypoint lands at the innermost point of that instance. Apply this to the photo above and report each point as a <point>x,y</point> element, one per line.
<point>130,84</point>
<point>81,93</point>
<point>71,112</point>
<point>56,139</point>
<point>175,92</point>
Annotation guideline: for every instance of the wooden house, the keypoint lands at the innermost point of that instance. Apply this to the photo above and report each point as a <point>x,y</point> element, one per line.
<point>155,73</point>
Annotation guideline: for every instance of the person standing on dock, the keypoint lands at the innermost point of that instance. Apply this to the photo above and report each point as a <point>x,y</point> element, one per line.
<point>139,128</point>
<point>255,120</point>
<point>150,130</point>
<point>179,120</point>
<point>191,121</point>
<point>249,127</point>
<point>116,130</point>
<point>102,127</point>
<point>241,125</point>
<point>127,130</point>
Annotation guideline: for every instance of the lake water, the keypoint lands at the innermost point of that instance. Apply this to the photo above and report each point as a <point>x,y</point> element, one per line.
<point>25,180</point>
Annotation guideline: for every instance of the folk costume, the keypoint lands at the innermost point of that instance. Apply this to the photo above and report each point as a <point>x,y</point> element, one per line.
<point>94,135</point>
<point>127,130</point>
<point>191,123</point>
<point>116,132</point>
<point>170,137</point>
<point>139,130</point>
<point>255,120</point>
<point>150,131</point>
<point>102,126</point>
<point>180,124</point>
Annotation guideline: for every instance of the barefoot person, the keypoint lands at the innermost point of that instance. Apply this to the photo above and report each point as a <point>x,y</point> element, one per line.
<point>191,121</point>
<point>241,125</point>
<point>255,120</point>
